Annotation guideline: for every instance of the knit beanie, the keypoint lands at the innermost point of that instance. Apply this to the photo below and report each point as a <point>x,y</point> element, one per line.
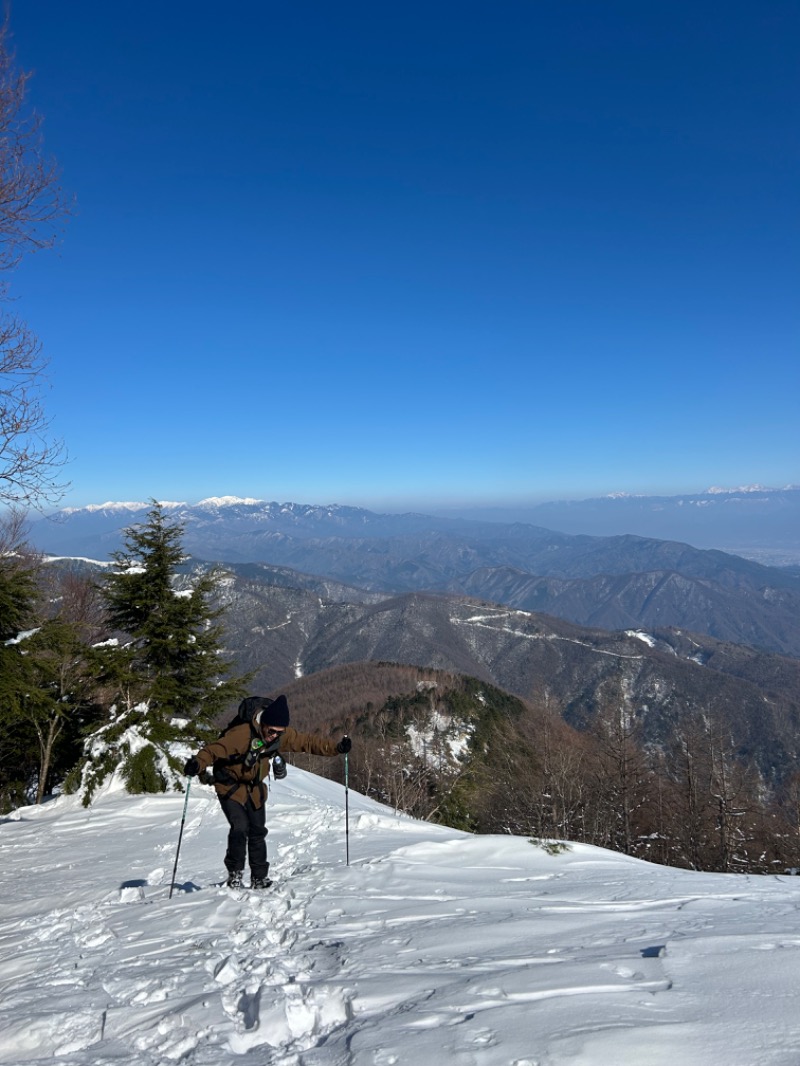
<point>275,712</point>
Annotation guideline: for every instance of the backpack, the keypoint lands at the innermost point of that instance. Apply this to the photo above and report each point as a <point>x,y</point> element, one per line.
<point>245,714</point>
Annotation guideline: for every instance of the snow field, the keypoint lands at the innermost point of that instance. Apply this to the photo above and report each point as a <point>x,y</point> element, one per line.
<point>431,946</point>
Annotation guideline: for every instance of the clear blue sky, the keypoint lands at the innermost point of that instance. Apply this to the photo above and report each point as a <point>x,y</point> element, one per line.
<point>398,254</point>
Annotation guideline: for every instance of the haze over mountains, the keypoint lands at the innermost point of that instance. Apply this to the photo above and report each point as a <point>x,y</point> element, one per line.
<point>759,523</point>
<point>617,582</point>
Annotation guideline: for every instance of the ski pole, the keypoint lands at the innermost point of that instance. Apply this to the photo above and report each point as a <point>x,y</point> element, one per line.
<point>180,837</point>
<point>346,810</point>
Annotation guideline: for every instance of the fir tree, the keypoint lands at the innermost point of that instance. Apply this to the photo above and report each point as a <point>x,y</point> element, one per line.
<point>167,675</point>
<point>17,739</point>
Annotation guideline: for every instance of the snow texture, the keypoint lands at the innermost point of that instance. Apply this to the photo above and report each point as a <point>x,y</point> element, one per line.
<point>433,946</point>
<point>639,635</point>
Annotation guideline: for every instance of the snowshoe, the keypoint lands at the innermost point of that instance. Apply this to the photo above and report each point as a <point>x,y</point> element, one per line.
<point>260,882</point>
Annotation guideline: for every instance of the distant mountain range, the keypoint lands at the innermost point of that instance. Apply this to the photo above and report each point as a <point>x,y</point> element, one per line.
<point>684,633</point>
<point>759,523</point>
<point>614,582</point>
<point>284,627</point>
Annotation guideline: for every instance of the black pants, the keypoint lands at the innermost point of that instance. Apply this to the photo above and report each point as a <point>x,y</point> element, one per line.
<point>248,834</point>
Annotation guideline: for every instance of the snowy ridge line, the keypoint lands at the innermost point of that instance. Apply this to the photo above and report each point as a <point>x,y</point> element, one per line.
<point>552,637</point>
<point>432,946</point>
<point>78,559</point>
<point>229,501</point>
<point>132,505</point>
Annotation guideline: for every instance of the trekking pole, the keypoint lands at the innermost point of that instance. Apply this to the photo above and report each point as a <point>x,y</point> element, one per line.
<point>180,837</point>
<point>346,810</point>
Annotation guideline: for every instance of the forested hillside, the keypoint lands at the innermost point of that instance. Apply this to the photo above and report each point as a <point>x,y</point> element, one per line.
<point>455,749</point>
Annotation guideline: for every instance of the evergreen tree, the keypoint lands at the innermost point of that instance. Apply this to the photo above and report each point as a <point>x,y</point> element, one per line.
<point>45,686</point>
<point>17,739</point>
<point>166,677</point>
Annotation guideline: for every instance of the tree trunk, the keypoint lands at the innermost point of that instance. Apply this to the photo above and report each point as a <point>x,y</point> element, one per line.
<point>46,744</point>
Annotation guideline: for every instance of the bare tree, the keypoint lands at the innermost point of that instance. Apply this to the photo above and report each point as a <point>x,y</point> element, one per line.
<point>61,689</point>
<point>12,534</point>
<point>31,205</point>
<point>621,776</point>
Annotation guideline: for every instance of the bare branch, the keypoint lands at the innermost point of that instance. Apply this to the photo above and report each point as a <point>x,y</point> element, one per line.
<point>31,199</point>
<point>31,203</point>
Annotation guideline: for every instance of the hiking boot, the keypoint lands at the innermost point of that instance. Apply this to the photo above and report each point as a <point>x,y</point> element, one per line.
<point>260,882</point>
<point>234,879</point>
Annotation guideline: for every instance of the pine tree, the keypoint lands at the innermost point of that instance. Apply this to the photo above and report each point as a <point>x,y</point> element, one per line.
<point>17,739</point>
<point>167,675</point>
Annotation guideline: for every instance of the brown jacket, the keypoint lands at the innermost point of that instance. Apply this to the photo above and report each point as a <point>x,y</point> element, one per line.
<point>234,780</point>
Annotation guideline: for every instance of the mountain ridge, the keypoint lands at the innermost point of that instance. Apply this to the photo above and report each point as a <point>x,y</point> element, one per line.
<point>284,634</point>
<point>281,627</point>
<point>614,582</point>
<point>753,520</point>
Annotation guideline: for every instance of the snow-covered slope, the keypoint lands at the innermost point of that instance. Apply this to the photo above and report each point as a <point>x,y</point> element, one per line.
<point>431,947</point>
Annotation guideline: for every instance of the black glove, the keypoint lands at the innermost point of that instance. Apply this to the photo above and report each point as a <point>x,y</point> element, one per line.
<point>192,767</point>
<point>279,767</point>
<point>344,745</point>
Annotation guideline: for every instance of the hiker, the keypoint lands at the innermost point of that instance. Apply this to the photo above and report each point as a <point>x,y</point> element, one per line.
<point>241,759</point>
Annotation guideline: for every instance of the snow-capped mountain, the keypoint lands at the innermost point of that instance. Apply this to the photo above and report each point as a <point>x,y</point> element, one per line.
<point>223,526</point>
<point>618,582</point>
<point>760,523</point>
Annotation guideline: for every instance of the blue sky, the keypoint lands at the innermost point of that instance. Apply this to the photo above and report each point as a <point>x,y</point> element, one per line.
<point>398,255</point>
